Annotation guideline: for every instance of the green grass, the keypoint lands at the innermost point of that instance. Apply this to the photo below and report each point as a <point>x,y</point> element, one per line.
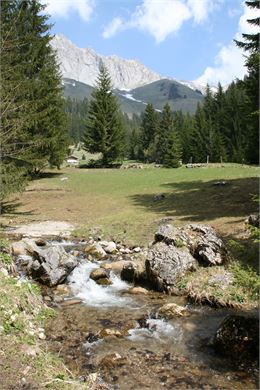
<point>243,291</point>
<point>5,257</point>
<point>120,203</point>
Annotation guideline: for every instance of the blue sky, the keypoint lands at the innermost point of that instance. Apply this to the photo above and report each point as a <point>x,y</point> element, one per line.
<point>185,39</point>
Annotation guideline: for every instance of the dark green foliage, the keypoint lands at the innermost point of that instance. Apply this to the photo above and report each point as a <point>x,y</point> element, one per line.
<point>104,128</point>
<point>173,155</point>
<point>184,125</point>
<point>134,145</point>
<point>250,44</point>
<point>163,134</point>
<point>46,119</point>
<point>149,129</point>
<point>13,106</point>
<point>76,111</point>
<point>32,121</point>
<point>251,83</point>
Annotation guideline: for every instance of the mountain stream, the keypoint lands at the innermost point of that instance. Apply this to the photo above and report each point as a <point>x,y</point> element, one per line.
<point>120,336</point>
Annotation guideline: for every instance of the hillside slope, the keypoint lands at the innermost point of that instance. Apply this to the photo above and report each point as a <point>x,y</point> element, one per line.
<point>179,96</point>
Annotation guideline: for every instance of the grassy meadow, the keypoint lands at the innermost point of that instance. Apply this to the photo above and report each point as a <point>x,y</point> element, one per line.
<point>120,203</point>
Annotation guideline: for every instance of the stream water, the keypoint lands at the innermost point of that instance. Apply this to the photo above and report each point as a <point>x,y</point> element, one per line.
<point>120,336</point>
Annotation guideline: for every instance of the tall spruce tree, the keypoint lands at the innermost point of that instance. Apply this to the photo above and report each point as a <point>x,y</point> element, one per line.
<point>46,125</point>
<point>236,122</point>
<point>250,44</point>
<point>149,129</point>
<point>173,155</point>
<point>185,125</point>
<point>104,129</point>
<point>163,134</point>
<point>198,144</point>
<point>13,106</point>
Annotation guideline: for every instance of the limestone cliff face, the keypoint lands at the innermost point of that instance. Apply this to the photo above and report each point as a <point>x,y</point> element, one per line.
<point>83,65</point>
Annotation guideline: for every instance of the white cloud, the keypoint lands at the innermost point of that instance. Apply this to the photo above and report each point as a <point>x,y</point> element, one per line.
<point>62,8</point>
<point>233,12</point>
<point>229,62</point>
<point>200,9</point>
<point>113,27</point>
<point>161,19</point>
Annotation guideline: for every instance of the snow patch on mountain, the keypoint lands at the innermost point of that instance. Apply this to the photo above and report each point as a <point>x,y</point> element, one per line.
<point>199,86</point>
<point>130,97</point>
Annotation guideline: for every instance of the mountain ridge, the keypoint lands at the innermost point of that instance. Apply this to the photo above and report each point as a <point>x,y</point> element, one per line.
<point>82,65</point>
<point>160,92</point>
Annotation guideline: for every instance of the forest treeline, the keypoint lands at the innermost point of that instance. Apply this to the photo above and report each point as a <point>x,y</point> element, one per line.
<point>224,128</point>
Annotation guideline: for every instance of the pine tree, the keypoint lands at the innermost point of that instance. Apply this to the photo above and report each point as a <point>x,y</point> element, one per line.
<point>185,128</point>
<point>173,154</point>
<point>251,83</point>
<point>149,128</point>
<point>236,122</point>
<point>250,44</point>
<point>163,133</point>
<point>134,145</point>
<point>104,129</point>
<point>13,107</point>
<point>209,108</point>
<point>46,125</point>
<point>199,136</point>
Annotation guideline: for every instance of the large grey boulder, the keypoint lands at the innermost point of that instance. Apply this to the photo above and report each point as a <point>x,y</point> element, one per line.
<point>50,266</point>
<point>208,248</point>
<point>202,242</point>
<point>166,265</point>
<point>172,236</point>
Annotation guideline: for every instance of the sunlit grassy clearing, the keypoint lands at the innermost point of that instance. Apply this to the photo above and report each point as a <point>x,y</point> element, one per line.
<point>121,204</point>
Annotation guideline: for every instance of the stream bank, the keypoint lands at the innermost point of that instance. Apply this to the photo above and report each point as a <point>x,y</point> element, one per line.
<point>107,330</point>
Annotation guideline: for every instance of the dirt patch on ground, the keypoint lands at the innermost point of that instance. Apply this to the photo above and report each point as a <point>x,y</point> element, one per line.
<point>45,228</point>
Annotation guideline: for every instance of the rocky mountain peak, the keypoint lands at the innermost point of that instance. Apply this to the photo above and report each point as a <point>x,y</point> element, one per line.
<point>83,65</point>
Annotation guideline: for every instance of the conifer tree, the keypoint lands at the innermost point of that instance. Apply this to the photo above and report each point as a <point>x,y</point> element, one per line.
<point>163,133</point>
<point>46,125</point>
<point>149,128</point>
<point>185,128</point>
<point>199,136</point>
<point>250,44</point>
<point>13,106</point>
<point>134,144</point>
<point>173,154</point>
<point>104,129</point>
<point>236,122</point>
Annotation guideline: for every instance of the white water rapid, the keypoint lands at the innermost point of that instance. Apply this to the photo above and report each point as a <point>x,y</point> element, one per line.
<point>157,329</point>
<point>93,294</point>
